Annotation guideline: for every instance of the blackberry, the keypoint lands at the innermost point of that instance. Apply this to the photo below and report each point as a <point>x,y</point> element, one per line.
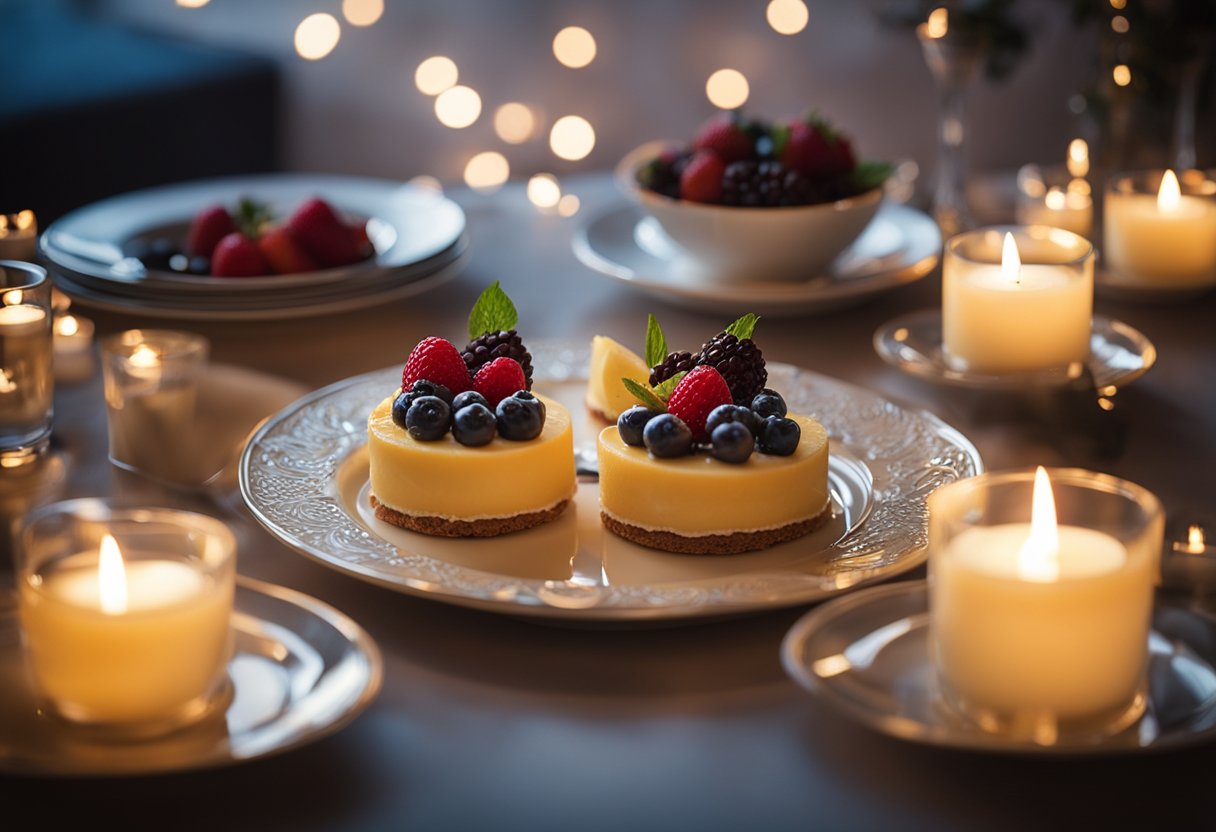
<point>662,174</point>
<point>675,362</point>
<point>765,184</point>
<point>493,345</point>
<point>740,363</point>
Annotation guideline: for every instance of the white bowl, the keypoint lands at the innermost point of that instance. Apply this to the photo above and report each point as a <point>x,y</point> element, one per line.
<point>728,244</point>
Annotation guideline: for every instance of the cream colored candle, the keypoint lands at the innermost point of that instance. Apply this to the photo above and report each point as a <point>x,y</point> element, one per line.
<point>25,364</point>
<point>134,642</point>
<point>1015,317</point>
<point>18,236</point>
<point>148,418</point>
<point>1068,209</point>
<point>1165,241</point>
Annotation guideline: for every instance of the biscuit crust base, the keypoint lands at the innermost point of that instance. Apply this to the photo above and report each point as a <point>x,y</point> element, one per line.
<point>486,527</point>
<point>716,544</point>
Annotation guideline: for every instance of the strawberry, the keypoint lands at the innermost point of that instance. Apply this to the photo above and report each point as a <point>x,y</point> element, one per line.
<point>701,180</point>
<point>284,254</point>
<point>696,395</point>
<point>363,245</point>
<point>499,379</point>
<point>814,148</point>
<point>210,225</point>
<point>322,234</point>
<point>238,256</point>
<point>723,136</point>
<point>436,359</point>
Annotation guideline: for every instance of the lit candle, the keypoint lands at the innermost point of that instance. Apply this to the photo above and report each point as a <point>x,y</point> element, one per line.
<point>25,363</point>
<point>1066,202</point>
<point>73,347</point>
<point>1038,625</point>
<point>18,236</point>
<point>1189,563</point>
<point>130,641</point>
<point>1166,240</point>
<point>1011,316</point>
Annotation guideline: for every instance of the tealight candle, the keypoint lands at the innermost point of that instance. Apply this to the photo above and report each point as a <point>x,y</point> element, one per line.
<point>1160,233</point>
<point>1188,562</point>
<point>73,348</point>
<point>1040,629</point>
<point>1017,300</point>
<point>1060,197</point>
<point>18,236</point>
<point>26,377</point>
<point>132,635</point>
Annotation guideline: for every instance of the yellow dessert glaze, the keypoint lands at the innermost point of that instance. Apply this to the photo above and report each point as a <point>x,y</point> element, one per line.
<point>446,479</point>
<point>699,495</point>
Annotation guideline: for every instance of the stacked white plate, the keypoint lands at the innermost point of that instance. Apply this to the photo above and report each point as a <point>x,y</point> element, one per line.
<point>419,236</point>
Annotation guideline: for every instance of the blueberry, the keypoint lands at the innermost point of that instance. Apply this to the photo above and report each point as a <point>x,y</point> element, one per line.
<point>631,423</point>
<point>468,397</point>
<point>667,436</point>
<point>531,401</point>
<point>732,442</point>
<point>519,420</point>
<point>769,403</point>
<point>779,436</point>
<point>401,406</point>
<point>199,265</point>
<point>426,387</point>
<point>474,425</point>
<point>724,413</point>
<point>427,418</point>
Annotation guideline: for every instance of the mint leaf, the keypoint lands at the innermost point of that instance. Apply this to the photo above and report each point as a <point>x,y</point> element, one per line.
<point>665,387</point>
<point>744,327</point>
<point>656,344</point>
<point>492,312</point>
<point>643,394</point>
<point>869,175</point>
<point>780,136</point>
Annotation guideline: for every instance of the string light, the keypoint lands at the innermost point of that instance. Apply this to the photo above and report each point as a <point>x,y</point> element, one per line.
<point>727,89</point>
<point>436,74</point>
<point>787,17</point>
<point>486,172</point>
<point>574,47</point>
<point>1122,75</point>
<point>458,107</point>
<point>362,12</point>
<point>317,35</point>
<point>514,123</point>
<point>572,138</point>
<point>544,191</point>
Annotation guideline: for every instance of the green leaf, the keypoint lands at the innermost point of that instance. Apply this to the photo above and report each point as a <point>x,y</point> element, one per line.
<point>780,134</point>
<point>665,387</point>
<point>744,327</point>
<point>644,395</point>
<point>656,344</point>
<point>869,175</point>
<point>492,312</point>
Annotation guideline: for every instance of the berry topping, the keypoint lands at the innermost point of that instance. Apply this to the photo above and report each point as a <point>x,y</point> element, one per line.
<point>725,137</point>
<point>500,344</point>
<point>769,403</point>
<point>474,424</point>
<point>725,413</point>
<point>209,227</point>
<point>520,419</point>
<point>779,436</point>
<point>696,395</point>
<point>238,256</point>
<point>732,442</point>
<point>427,418</point>
<point>769,184</point>
<point>739,361</point>
<point>675,362</point>
<point>499,379</point>
<point>701,180</point>
<point>468,397</point>
<point>426,387</point>
<point>808,150</point>
<point>436,360</point>
<point>632,422</point>
<point>401,406</point>
<point>318,229</point>
<point>667,436</point>
<point>284,254</point>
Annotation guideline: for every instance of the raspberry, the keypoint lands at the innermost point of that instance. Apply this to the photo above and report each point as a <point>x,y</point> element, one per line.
<point>695,396</point>
<point>499,379</point>
<point>437,360</point>
<point>724,137</point>
<point>701,181</point>
<point>740,363</point>
<point>481,351</point>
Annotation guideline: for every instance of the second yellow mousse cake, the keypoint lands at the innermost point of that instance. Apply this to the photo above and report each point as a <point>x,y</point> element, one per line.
<point>464,448</point>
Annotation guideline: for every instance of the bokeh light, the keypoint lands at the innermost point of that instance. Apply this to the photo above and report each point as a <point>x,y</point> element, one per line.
<point>317,35</point>
<point>572,138</point>
<point>436,74</point>
<point>514,123</point>
<point>1122,75</point>
<point>568,205</point>
<point>544,190</point>
<point>727,89</point>
<point>362,12</point>
<point>192,4</point>
<point>1119,24</point>
<point>458,107</point>
<point>427,183</point>
<point>574,47</point>
<point>938,23</point>
<point>787,17</point>
<point>486,172</point>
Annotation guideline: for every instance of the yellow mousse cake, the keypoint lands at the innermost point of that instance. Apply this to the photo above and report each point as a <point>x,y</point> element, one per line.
<point>699,505</point>
<point>444,488</point>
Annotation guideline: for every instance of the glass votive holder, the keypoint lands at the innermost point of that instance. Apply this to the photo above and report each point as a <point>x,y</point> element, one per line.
<point>151,387</point>
<point>73,348</point>
<point>1017,299</point>
<point>1159,230</point>
<point>126,615</point>
<point>1050,195</point>
<point>19,236</point>
<point>1188,560</point>
<point>1039,621</point>
<point>26,374</point>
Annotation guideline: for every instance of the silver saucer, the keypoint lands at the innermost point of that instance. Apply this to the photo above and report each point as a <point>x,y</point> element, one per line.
<point>1119,354</point>
<point>867,655</point>
<point>300,671</point>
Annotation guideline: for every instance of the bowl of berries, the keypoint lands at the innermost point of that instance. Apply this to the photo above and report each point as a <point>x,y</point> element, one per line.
<point>749,199</point>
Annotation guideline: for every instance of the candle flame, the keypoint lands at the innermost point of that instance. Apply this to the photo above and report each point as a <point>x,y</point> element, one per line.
<point>144,356</point>
<point>1039,557</point>
<point>7,385</point>
<point>938,23</point>
<point>1195,543</point>
<point>1078,157</point>
<point>1011,263</point>
<point>111,578</point>
<point>1169,195</point>
<point>67,325</point>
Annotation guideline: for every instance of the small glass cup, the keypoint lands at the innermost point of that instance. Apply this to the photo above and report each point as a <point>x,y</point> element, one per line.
<point>1159,230</point>
<point>26,373</point>
<point>151,386</point>
<point>1054,197</point>
<point>135,644</point>
<point>1006,318</point>
<point>1035,653</point>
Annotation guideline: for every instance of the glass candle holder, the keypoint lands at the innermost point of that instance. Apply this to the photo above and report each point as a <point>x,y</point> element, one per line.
<point>19,236</point>
<point>1039,623</point>
<point>1159,230</point>
<point>151,387</point>
<point>26,374</point>
<point>1188,561</point>
<point>1052,196</point>
<point>1019,307</point>
<point>126,614</point>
